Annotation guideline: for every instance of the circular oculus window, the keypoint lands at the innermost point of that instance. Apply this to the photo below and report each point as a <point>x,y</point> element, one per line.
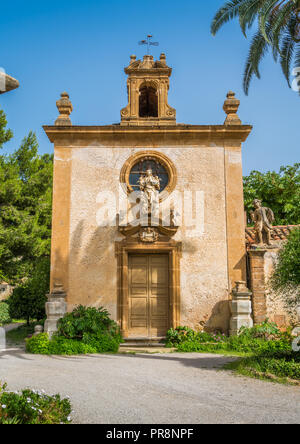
<point>137,165</point>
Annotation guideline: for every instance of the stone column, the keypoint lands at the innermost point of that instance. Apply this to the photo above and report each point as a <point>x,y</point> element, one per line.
<point>241,308</point>
<point>258,286</point>
<point>56,308</point>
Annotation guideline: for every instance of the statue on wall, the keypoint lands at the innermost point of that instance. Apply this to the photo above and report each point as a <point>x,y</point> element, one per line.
<point>263,218</point>
<point>150,187</point>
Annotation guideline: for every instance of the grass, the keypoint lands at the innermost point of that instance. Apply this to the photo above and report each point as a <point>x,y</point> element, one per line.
<point>255,367</point>
<point>18,335</point>
<point>219,351</point>
<point>236,353</point>
<point>13,321</point>
<point>18,321</point>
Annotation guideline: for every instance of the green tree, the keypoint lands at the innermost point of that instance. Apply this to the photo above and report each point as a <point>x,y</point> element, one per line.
<point>279,191</point>
<point>28,299</point>
<point>278,29</point>
<point>5,134</point>
<point>25,208</point>
<point>287,270</point>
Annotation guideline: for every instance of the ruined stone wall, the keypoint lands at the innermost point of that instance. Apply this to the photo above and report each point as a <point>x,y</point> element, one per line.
<point>266,303</point>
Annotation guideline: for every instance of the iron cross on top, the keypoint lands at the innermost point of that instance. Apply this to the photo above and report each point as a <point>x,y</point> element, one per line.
<point>148,43</point>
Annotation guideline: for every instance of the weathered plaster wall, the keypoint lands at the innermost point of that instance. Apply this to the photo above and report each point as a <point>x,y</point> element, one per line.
<point>92,271</point>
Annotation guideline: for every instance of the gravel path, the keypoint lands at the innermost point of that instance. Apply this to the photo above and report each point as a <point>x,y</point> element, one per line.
<point>171,388</point>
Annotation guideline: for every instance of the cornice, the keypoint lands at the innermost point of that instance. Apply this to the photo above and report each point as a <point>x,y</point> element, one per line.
<point>176,135</point>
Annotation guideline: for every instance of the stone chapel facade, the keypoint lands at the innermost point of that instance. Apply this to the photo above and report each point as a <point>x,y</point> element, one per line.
<point>178,268</point>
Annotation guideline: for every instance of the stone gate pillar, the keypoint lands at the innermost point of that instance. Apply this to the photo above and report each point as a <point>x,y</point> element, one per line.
<point>258,286</point>
<point>56,308</point>
<point>241,308</point>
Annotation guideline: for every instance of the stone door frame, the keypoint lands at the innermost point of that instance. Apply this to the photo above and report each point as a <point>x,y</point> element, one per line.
<point>133,246</point>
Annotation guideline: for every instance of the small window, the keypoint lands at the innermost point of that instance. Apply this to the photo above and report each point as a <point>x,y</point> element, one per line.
<point>148,102</point>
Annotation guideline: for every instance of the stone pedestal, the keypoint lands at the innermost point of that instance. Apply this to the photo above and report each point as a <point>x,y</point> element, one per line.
<point>241,308</point>
<point>56,308</point>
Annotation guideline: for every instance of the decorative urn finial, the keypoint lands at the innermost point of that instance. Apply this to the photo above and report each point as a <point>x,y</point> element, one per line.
<point>65,108</point>
<point>163,58</point>
<point>231,106</point>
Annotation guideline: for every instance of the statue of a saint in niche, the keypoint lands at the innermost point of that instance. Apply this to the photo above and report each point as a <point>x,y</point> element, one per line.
<point>150,187</point>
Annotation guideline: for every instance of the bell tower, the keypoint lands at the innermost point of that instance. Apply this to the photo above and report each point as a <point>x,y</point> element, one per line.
<point>148,85</point>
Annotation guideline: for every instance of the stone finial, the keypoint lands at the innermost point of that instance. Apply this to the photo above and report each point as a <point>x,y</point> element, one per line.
<point>231,106</point>
<point>132,59</point>
<point>241,287</point>
<point>38,329</point>
<point>65,108</point>
<point>163,58</point>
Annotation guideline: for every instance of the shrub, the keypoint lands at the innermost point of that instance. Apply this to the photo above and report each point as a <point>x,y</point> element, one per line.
<point>264,339</point>
<point>287,271</point>
<point>266,330</point>
<point>85,330</point>
<point>33,407</point>
<point>240,344</point>
<point>59,345</point>
<point>4,313</point>
<point>38,345</point>
<point>85,322</point>
<point>182,335</point>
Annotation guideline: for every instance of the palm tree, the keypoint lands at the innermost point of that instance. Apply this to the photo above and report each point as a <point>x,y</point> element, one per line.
<point>278,30</point>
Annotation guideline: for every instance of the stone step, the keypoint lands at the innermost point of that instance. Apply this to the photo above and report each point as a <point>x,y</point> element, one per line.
<point>143,342</point>
<point>142,345</point>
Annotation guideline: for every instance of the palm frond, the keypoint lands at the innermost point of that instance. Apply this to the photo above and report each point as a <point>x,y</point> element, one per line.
<point>280,21</point>
<point>258,48</point>
<point>247,14</point>
<point>297,57</point>
<point>296,71</point>
<point>227,12</point>
<point>264,16</point>
<point>287,50</point>
<point>277,30</point>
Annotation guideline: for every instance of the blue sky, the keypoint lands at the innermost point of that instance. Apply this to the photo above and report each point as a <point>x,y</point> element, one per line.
<point>83,46</point>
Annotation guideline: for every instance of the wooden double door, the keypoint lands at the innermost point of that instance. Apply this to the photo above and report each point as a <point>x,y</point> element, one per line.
<point>148,295</point>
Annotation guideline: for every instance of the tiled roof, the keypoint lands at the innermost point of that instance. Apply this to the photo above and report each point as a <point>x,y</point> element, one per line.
<point>279,233</point>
